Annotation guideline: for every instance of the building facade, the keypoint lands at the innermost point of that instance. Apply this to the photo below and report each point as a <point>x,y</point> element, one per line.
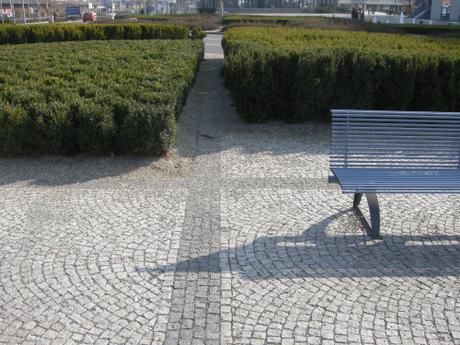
<point>445,10</point>
<point>388,6</point>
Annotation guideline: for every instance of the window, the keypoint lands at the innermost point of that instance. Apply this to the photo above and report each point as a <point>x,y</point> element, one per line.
<point>445,9</point>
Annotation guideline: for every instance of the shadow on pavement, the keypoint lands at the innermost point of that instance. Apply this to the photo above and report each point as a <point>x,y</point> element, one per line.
<point>207,118</point>
<point>316,254</point>
<point>62,170</point>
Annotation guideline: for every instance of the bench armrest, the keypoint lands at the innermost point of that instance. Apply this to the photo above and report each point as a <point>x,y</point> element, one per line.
<point>332,179</point>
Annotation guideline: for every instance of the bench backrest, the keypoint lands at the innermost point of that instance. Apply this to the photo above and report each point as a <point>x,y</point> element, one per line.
<point>395,139</point>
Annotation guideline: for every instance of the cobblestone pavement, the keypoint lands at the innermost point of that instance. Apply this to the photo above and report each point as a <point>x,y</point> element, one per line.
<point>233,238</point>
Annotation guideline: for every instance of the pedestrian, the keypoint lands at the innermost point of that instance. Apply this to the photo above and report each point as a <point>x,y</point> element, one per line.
<point>354,13</point>
<point>361,15</point>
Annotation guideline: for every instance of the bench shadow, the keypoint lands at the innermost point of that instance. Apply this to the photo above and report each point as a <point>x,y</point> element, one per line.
<point>314,253</point>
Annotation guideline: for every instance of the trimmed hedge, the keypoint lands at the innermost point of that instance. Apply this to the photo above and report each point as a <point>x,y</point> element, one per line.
<point>200,21</point>
<point>299,74</point>
<point>241,19</point>
<point>339,23</point>
<point>95,96</point>
<point>423,29</point>
<point>16,34</point>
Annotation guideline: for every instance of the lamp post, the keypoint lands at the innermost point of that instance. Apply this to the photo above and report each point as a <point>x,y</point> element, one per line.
<point>24,13</point>
<point>1,11</point>
<point>28,6</point>
<point>12,11</point>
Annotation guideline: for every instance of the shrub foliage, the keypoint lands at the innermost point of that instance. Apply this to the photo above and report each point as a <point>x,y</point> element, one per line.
<point>296,74</point>
<point>201,21</point>
<point>320,22</point>
<point>95,97</point>
<point>291,21</point>
<point>15,34</point>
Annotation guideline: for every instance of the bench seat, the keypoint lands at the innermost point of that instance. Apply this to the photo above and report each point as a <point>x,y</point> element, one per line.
<point>357,180</point>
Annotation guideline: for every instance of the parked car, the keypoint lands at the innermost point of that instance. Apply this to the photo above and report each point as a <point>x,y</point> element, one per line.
<point>89,17</point>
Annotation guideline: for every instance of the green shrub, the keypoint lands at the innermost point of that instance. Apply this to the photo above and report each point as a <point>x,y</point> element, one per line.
<point>207,10</point>
<point>438,31</point>
<point>95,96</point>
<point>15,34</point>
<point>202,21</point>
<point>299,74</point>
<point>423,29</point>
<point>196,34</point>
<point>342,8</point>
<point>320,22</point>
<point>325,9</point>
<point>292,21</point>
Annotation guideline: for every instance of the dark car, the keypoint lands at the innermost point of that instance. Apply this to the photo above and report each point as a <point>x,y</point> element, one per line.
<point>89,17</point>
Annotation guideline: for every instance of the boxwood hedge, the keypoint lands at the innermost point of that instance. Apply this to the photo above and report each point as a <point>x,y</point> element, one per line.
<point>15,34</point>
<point>95,97</point>
<point>191,20</point>
<point>239,19</point>
<point>423,29</point>
<point>319,22</point>
<point>297,74</point>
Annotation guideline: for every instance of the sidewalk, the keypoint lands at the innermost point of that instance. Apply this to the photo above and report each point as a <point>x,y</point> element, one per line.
<point>234,238</point>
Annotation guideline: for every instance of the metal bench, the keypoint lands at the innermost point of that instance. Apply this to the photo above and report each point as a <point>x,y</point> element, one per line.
<point>394,152</point>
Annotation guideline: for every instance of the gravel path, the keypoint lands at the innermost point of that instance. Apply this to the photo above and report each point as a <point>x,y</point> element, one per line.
<point>234,238</point>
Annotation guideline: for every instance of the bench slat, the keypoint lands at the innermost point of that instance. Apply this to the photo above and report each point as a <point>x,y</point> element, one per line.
<point>393,113</point>
<point>396,151</point>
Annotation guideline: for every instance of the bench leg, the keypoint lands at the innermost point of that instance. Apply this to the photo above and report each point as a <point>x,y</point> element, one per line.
<point>373,229</point>
<point>357,199</point>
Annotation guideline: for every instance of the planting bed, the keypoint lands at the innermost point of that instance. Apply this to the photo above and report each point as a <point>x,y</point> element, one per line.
<point>197,21</point>
<point>296,74</point>
<point>288,21</point>
<point>95,96</point>
<point>16,34</point>
<point>318,22</point>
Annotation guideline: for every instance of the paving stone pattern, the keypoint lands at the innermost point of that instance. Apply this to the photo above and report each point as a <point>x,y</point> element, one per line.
<point>234,238</point>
